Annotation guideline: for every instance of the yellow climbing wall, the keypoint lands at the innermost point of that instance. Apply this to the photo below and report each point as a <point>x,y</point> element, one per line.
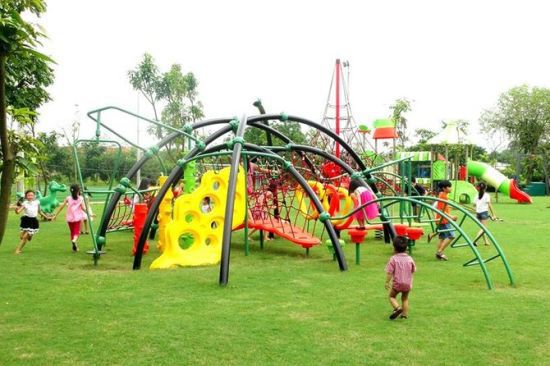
<point>202,224</point>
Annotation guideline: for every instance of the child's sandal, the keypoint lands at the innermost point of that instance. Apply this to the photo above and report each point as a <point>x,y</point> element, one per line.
<point>396,313</point>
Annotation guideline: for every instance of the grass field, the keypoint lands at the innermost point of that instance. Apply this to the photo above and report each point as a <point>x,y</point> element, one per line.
<point>280,307</point>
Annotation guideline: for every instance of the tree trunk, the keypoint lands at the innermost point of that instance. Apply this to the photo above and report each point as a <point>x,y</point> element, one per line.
<point>45,177</point>
<point>518,165</point>
<point>8,157</point>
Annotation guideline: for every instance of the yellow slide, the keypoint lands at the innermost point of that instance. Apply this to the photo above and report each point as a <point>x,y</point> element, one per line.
<point>199,217</point>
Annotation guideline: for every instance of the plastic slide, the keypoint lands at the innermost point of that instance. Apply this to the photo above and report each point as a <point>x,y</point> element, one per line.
<point>198,224</point>
<point>463,192</point>
<point>496,179</point>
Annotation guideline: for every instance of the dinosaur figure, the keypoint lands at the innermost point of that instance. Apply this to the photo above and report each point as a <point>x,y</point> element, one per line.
<point>50,202</point>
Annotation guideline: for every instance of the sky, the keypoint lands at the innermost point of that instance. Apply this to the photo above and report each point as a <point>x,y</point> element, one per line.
<point>452,59</point>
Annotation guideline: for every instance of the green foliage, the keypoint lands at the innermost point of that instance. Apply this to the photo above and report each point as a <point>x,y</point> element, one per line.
<point>424,135</point>
<point>27,77</point>
<point>24,75</point>
<point>399,108</point>
<point>176,90</point>
<point>524,114</point>
<point>292,130</point>
<point>15,33</point>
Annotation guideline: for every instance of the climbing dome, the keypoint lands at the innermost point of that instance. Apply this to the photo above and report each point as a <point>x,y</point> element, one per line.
<point>297,192</point>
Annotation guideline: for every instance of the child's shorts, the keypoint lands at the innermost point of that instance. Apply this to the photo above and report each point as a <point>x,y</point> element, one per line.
<point>29,225</point>
<point>401,287</point>
<point>483,215</point>
<point>447,232</point>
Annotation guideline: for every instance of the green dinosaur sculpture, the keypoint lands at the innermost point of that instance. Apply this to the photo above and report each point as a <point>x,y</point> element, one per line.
<point>50,202</point>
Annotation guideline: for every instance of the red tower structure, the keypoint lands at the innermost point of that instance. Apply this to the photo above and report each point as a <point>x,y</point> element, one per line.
<point>337,115</point>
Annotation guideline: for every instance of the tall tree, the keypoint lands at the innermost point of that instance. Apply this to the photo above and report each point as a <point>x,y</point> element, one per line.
<point>146,79</point>
<point>178,92</point>
<point>524,114</point>
<point>18,40</point>
<point>399,108</point>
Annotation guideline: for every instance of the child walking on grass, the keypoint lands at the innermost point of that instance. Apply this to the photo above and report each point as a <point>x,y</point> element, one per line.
<point>444,228</point>
<point>29,223</point>
<point>400,269</point>
<point>484,210</point>
<point>75,213</point>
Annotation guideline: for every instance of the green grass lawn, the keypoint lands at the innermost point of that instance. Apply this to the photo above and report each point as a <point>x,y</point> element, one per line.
<point>280,307</point>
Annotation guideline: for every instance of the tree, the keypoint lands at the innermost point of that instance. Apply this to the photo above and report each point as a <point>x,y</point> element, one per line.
<point>177,90</point>
<point>52,160</point>
<point>524,114</point>
<point>424,135</point>
<point>399,108</point>
<point>146,78</point>
<point>290,129</point>
<point>180,92</point>
<point>18,38</point>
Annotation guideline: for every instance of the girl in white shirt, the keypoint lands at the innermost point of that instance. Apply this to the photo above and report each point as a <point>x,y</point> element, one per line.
<point>29,222</point>
<point>484,209</point>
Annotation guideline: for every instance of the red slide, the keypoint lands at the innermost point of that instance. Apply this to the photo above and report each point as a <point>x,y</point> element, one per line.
<point>518,194</point>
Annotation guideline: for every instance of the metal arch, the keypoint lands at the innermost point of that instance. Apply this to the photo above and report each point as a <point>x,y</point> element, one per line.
<point>389,230</point>
<point>224,269</point>
<point>174,176</point>
<point>457,226</point>
<point>109,209</point>
<point>230,204</point>
<point>321,128</point>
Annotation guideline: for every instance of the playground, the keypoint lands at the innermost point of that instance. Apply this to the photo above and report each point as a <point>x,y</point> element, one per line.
<point>161,213</point>
<point>144,286</point>
<point>280,307</point>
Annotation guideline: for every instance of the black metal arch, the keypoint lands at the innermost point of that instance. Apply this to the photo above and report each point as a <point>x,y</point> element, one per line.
<point>224,266</point>
<point>258,122</point>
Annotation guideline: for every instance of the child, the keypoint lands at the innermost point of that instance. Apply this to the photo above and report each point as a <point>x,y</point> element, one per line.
<point>29,223</point>
<point>416,190</point>
<point>444,228</point>
<point>400,268</point>
<point>260,212</point>
<point>483,207</point>
<point>90,213</point>
<point>75,213</point>
<point>362,195</point>
<point>206,205</point>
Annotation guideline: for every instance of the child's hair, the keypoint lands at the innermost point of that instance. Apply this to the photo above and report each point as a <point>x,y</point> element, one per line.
<point>444,184</point>
<point>75,191</point>
<point>482,187</point>
<point>354,184</point>
<point>87,193</point>
<point>400,244</point>
<point>144,184</point>
<point>28,191</point>
<point>413,179</point>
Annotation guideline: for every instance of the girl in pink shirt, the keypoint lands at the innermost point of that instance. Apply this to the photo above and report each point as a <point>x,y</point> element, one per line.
<point>75,213</point>
<point>400,268</point>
